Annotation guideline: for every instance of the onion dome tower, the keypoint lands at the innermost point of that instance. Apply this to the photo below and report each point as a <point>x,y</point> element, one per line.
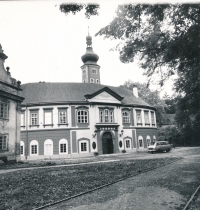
<point>90,68</point>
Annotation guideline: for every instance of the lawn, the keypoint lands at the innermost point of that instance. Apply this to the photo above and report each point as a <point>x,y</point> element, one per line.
<point>28,189</point>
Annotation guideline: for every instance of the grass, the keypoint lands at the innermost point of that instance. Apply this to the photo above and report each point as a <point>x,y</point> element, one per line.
<point>28,189</point>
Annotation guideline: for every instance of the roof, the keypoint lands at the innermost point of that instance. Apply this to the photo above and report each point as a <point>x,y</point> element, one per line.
<point>37,93</point>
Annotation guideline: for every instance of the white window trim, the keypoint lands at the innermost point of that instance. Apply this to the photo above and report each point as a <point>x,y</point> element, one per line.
<point>127,139</point>
<point>140,138</point>
<point>22,144</point>
<point>48,141</point>
<point>87,146</point>
<point>34,142</point>
<point>128,117</point>
<point>79,110</point>
<point>148,137</point>
<point>63,141</point>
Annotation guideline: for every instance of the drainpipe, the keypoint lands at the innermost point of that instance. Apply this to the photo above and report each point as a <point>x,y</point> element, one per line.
<point>26,152</point>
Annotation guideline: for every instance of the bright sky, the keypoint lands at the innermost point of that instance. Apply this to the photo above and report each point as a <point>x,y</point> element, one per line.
<point>43,44</point>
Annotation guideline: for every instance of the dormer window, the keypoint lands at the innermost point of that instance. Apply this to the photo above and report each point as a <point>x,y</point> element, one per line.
<point>94,71</point>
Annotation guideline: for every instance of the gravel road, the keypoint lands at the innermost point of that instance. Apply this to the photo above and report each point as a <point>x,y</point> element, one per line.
<point>166,188</point>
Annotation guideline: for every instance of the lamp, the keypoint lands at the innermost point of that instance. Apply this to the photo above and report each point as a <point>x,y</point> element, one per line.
<point>93,135</point>
<point>121,134</point>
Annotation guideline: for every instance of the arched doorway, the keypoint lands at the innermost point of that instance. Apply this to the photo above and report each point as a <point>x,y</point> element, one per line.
<point>107,143</point>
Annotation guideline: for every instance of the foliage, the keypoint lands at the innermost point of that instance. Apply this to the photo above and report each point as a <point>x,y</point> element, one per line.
<point>171,134</point>
<point>166,39</point>
<point>170,104</point>
<point>90,9</point>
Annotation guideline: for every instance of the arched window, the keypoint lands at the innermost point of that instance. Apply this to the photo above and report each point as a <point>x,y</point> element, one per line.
<point>91,80</point>
<point>48,147</point>
<point>21,148</point>
<point>82,116</point>
<point>34,147</point>
<point>63,146</point>
<point>140,142</point>
<point>83,146</point>
<point>148,139</point>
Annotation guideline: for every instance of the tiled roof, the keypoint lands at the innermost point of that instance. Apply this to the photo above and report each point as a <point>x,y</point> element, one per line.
<point>35,93</point>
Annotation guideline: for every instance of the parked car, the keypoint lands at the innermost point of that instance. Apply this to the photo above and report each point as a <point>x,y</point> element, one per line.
<point>159,146</point>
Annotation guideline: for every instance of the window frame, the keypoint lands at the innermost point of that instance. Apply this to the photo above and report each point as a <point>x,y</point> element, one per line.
<point>97,81</point>
<point>23,125</point>
<point>48,142</point>
<point>153,121</point>
<point>22,145</point>
<point>94,71</point>
<point>4,110</point>
<point>110,115</point>
<point>87,146</point>
<point>4,138</point>
<point>140,138</point>
<point>91,80</point>
<point>148,138</point>
<point>125,143</point>
<point>62,109</point>
<point>34,143</point>
<point>146,120</point>
<point>126,117</point>
<point>47,110</point>
<point>83,116</point>
<point>34,111</point>
<point>63,141</point>
<point>137,112</point>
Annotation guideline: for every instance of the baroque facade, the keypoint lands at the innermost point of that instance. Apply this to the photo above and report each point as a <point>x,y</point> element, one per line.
<point>10,106</point>
<point>65,120</point>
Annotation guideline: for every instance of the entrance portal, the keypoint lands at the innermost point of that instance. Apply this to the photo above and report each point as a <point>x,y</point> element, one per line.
<point>107,143</point>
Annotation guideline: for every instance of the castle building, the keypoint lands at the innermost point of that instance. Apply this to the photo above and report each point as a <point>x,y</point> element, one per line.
<point>10,106</point>
<point>66,120</point>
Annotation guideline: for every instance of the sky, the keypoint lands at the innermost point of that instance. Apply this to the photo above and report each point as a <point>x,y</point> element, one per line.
<point>43,44</point>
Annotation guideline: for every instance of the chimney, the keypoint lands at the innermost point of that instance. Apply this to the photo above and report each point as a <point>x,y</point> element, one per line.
<point>135,91</point>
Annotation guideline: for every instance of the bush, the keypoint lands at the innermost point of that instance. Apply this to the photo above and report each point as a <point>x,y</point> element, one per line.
<point>123,151</point>
<point>96,154</point>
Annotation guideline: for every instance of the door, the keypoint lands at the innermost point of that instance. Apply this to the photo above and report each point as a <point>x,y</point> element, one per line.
<point>107,143</point>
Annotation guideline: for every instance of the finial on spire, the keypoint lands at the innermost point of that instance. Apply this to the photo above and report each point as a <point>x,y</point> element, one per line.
<point>89,39</point>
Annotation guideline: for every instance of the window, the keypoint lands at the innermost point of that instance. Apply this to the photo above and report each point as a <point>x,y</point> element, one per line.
<point>82,116</point>
<point>152,119</point>
<point>3,142</point>
<point>48,116</point>
<point>84,71</point>
<point>140,142</point>
<point>138,117</point>
<point>22,119</point>
<point>48,147</point>
<point>126,116</point>
<point>4,110</point>
<point>97,81</point>
<point>128,143</point>
<point>146,117</point>
<point>34,147</point>
<point>94,71</point>
<point>34,119</point>
<point>91,80</point>
<point>83,146</point>
<point>21,148</point>
<point>106,115</point>
<point>148,140</point>
<point>63,145</point>
<point>62,115</point>
<point>84,81</point>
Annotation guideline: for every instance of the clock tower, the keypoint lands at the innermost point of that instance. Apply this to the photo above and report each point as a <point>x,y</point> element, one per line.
<point>90,68</point>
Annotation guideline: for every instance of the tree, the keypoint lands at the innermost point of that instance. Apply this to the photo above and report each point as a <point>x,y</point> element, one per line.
<point>166,39</point>
<point>170,104</point>
<point>90,9</point>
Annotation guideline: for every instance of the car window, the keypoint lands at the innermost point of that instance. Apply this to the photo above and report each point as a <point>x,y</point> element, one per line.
<point>158,143</point>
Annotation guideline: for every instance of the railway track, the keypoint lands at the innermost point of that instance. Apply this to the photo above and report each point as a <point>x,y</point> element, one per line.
<point>105,185</point>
